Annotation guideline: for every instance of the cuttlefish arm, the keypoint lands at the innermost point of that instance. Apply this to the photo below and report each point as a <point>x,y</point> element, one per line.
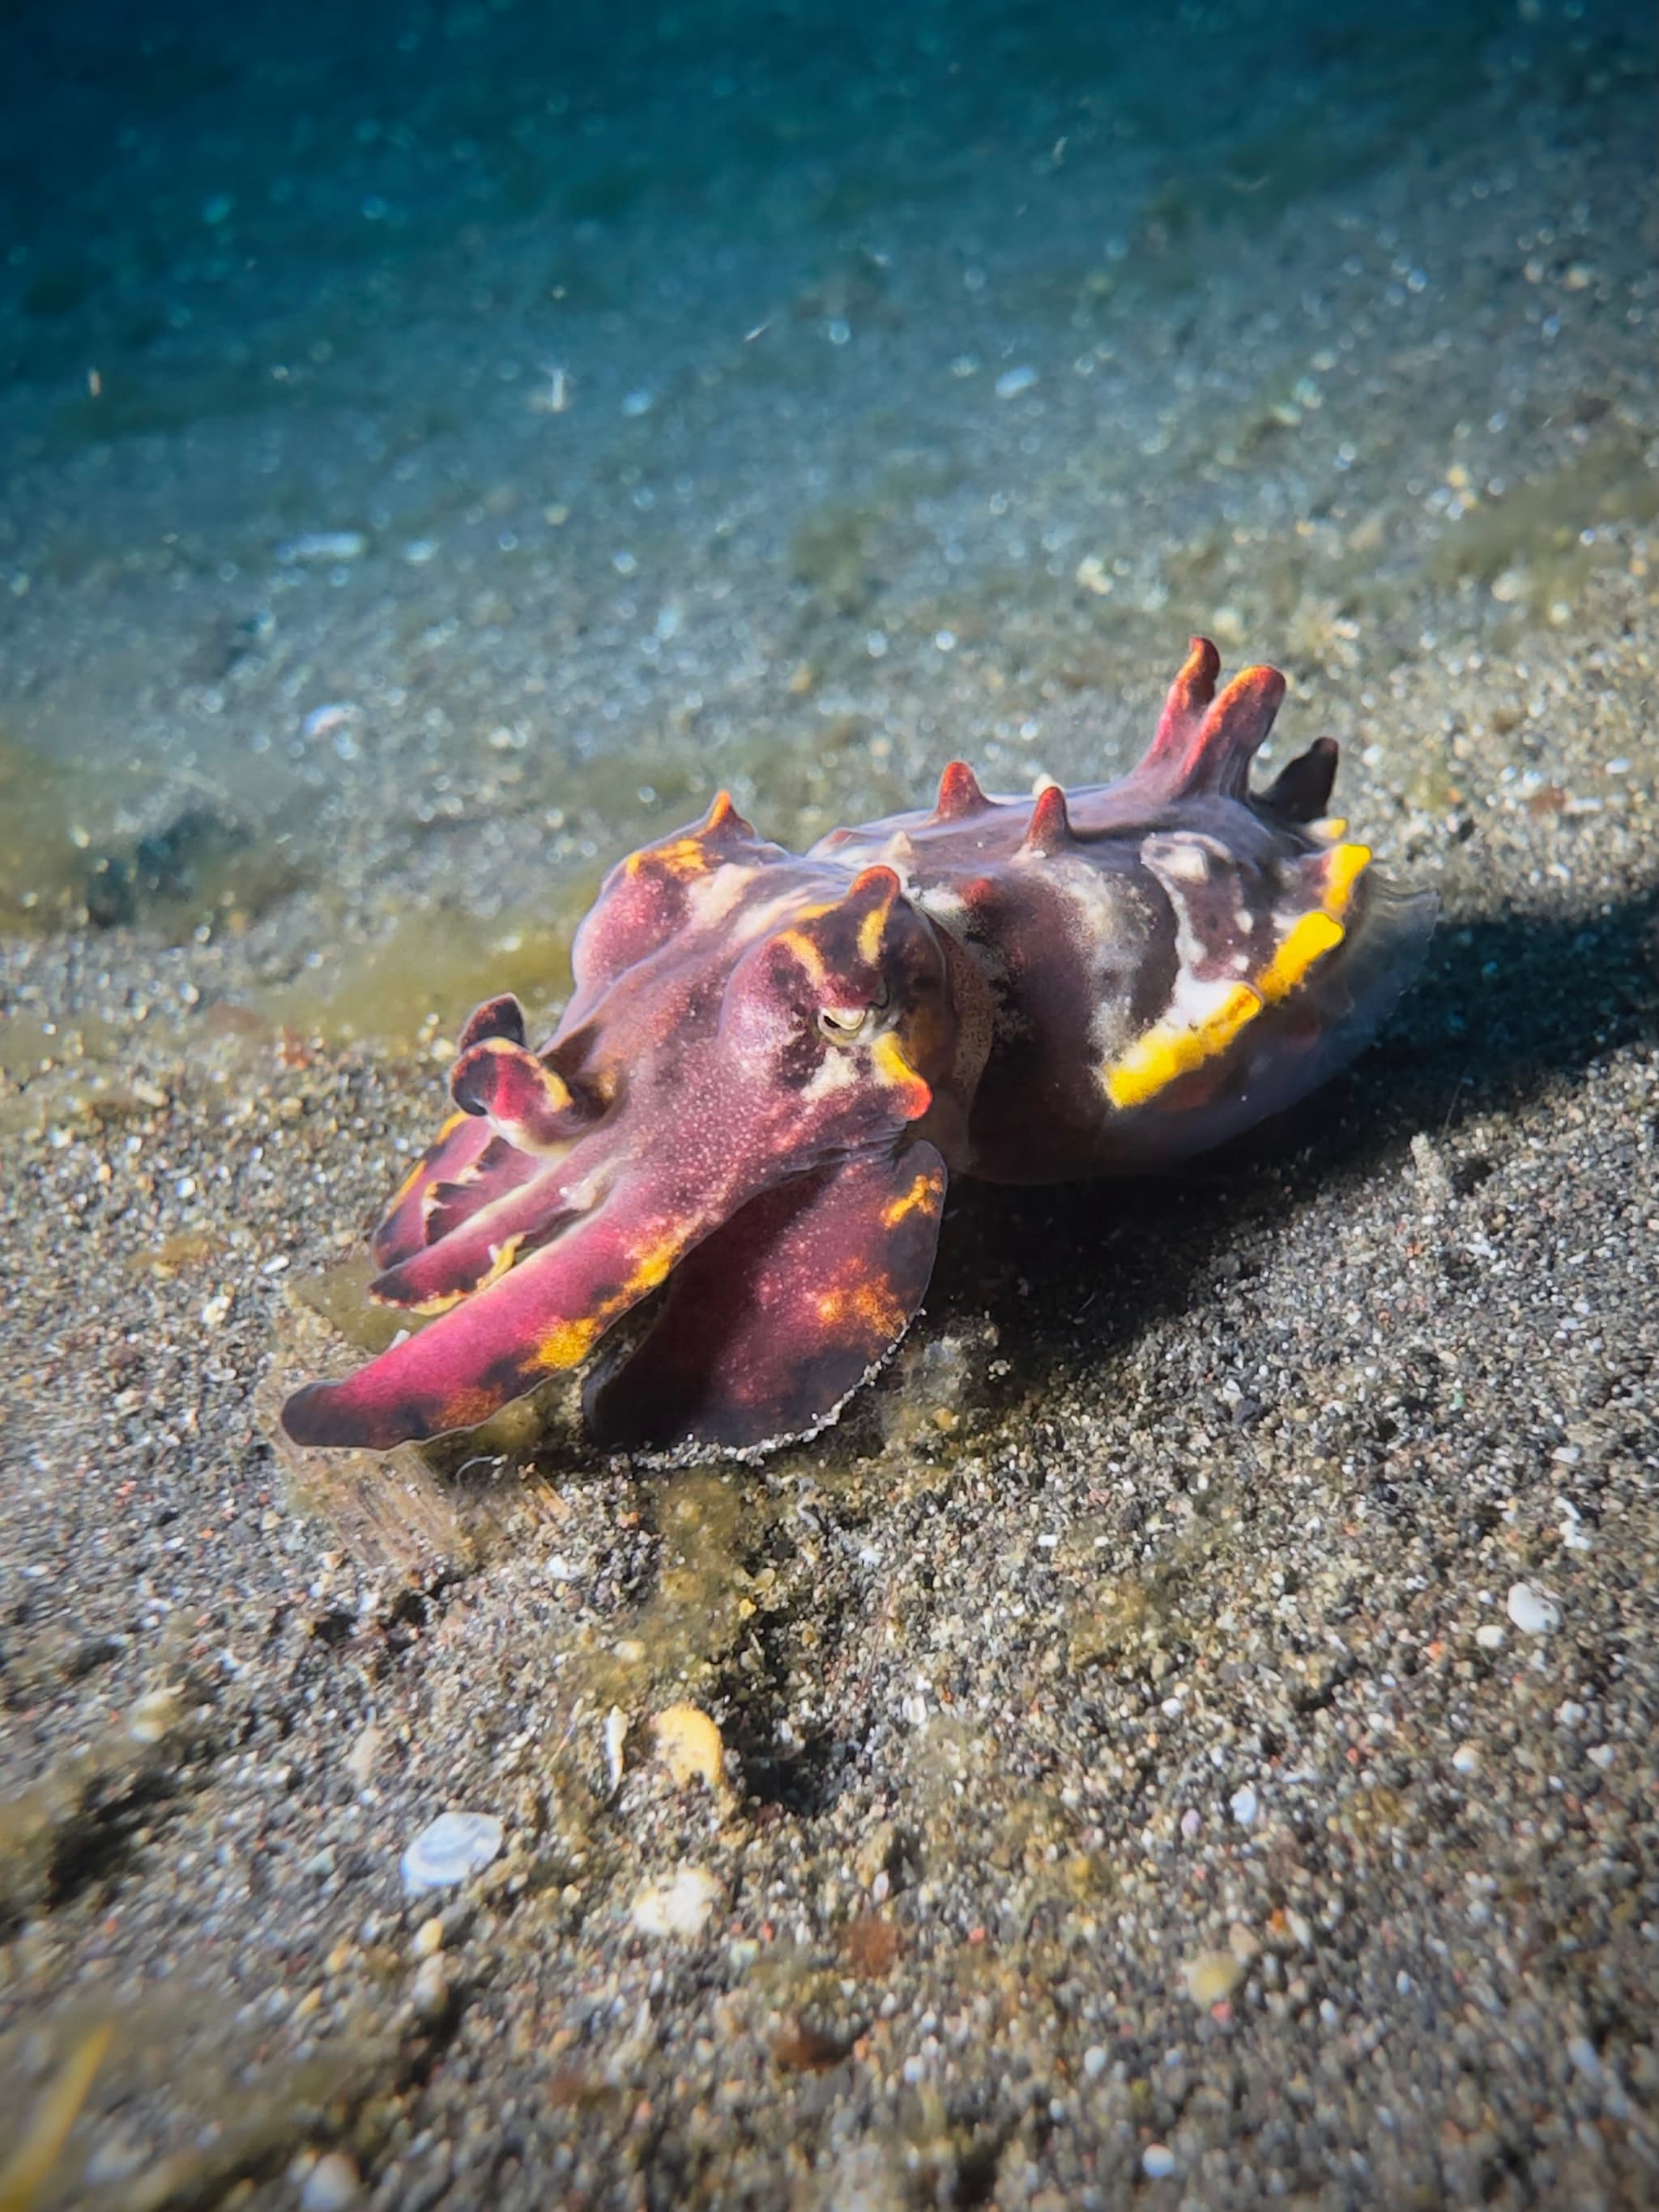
<point>774,1320</point>
<point>540,1319</point>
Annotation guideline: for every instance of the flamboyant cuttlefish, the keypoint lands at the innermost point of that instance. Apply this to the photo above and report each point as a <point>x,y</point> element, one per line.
<point>770,1064</point>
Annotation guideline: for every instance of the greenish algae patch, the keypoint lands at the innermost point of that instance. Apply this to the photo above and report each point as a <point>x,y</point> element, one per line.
<point>685,1632</point>
<point>1527,547</point>
<point>421,981</point>
<point>42,858</point>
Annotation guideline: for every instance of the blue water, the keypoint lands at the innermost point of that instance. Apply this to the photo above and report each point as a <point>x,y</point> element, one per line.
<point>521,418</point>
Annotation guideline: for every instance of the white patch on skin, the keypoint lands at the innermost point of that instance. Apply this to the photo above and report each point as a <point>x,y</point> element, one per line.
<point>1194,999</point>
<point>837,1071</point>
<point>713,898</point>
<point>1178,862</point>
<point>582,1197</point>
<point>1183,857</point>
<point>945,907</point>
<point>1106,935</point>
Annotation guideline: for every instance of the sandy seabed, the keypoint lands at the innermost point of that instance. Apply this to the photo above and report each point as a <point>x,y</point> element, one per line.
<point>1189,1732</point>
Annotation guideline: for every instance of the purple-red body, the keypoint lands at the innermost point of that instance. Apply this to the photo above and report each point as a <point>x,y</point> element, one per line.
<point>770,1064</point>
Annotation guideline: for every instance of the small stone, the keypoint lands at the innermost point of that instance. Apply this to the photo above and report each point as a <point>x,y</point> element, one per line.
<point>1533,1613</point>
<point>1013,381</point>
<point>1158,2161</point>
<point>429,1937</point>
<point>1212,1977</point>
<point>331,2184</point>
<point>430,1991</point>
<point>1094,2063</point>
<point>678,1905</point>
<point>360,1760</point>
<point>1489,1635</point>
<point>1244,1806</point>
<point>1466,1759</point>
<point>689,1745</point>
<point>1244,1944</point>
<point>1584,2056</point>
<point>150,1719</point>
<point>450,1849</point>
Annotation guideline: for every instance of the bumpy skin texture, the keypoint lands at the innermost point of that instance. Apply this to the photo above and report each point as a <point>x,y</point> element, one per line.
<point>770,1064</point>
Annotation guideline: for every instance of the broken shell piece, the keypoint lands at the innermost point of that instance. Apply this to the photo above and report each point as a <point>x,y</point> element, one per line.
<point>450,1849</point>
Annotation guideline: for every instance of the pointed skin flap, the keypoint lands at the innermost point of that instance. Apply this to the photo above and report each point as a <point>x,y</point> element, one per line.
<point>1205,743</point>
<point>771,1322</point>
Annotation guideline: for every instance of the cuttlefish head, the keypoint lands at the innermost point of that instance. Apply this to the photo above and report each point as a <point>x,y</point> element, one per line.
<point>738,1109</point>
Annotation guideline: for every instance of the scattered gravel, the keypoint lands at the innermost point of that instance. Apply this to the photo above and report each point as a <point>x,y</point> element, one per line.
<point>1196,1718</point>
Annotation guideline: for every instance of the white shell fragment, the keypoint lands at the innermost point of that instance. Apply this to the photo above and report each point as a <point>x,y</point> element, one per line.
<point>451,1849</point>
<point>677,1906</point>
<point>1533,1613</point>
<point>322,545</point>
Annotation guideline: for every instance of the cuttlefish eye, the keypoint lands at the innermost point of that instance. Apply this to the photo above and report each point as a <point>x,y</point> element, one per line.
<point>847,1025</point>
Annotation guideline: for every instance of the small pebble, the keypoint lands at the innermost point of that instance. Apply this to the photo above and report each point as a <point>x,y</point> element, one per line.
<point>1244,1806</point>
<point>688,1744</point>
<point>1489,1637</point>
<point>331,2184</point>
<point>1013,381</point>
<point>1243,1943</point>
<point>678,1905</point>
<point>153,1715</point>
<point>430,1991</point>
<point>453,1847</point>
<point>1211,1977</point>
<point>1533,1613</point>
<point>1584,2056</point>
<point>360,1760</point>
<point>1158,2161</point>
<point>429,1937</point>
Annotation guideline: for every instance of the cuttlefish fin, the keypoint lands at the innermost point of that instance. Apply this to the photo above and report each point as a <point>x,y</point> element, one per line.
<point>778,1315</point>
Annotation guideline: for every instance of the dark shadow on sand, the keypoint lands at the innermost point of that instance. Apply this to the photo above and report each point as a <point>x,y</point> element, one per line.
<point>1507,1005</point>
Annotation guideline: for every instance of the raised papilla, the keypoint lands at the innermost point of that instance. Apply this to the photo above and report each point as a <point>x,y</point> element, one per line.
<point>771,1064</point>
